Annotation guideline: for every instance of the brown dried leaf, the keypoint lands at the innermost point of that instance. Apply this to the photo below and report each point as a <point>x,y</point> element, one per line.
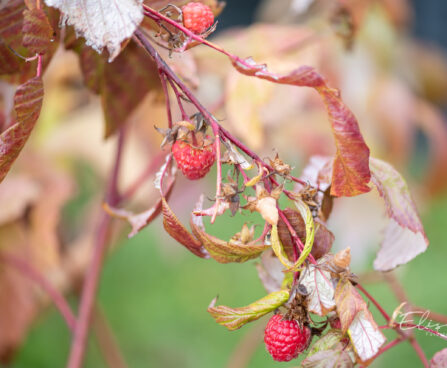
<point>226,252</point>
<point>175,228</point>
<point>140,220</point>
<point>27,103</point>
<point>349,303</point>
<point>37,31</point>
<point>350,174</point>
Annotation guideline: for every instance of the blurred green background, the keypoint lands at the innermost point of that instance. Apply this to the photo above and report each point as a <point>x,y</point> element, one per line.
<point>155,295</point>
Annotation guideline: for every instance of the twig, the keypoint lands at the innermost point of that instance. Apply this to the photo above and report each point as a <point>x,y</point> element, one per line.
<point>374,301</point>
<point>29,271</point>
<point>106,340</point>
<point>417,348</point>
<point>166,93</point>
<point>90,287</point>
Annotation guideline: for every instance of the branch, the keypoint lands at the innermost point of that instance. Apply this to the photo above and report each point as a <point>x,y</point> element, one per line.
<point>106,340</point>
<point>34,275</point>
<point>90,287</point>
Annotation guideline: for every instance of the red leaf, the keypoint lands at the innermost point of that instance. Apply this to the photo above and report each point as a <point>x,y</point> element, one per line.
<point>37,31</point>
<point>176,229</point>
<point>349,302</point>
<point>350,175</point>
<point>11,20</point>
<point>27,103</point>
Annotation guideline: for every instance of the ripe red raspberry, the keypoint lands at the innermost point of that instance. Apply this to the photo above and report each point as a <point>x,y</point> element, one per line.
<point>195,162</point>
<point>284,339</point>
<point>197,17</point>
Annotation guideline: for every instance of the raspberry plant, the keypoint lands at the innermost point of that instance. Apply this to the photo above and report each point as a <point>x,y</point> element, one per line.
<point>316,296</point>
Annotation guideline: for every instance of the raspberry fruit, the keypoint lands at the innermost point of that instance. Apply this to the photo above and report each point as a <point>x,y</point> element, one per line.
<point>195,162</point>
<point>284,339</point>
<point>197,17</point>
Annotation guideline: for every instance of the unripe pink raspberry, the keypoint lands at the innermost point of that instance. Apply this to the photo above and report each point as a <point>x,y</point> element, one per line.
<point>284,339</point>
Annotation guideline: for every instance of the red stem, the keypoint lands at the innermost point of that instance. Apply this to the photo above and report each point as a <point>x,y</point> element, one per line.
<point>179,100</point>
<point>417,348</point>
<point>91,282</point>
<point>166,93</point>
<point>57,298</point>
<point>374,301</point>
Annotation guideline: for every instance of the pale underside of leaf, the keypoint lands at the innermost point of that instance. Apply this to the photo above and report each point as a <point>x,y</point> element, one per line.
<point>235,318</point>
<point>320,290</point>
<point>399,246</point>
<point>365,335</point>
<point>404,236</point>
<point>103,23</point>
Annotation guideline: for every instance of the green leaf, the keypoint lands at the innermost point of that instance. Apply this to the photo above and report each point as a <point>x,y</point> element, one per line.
<point>27,104</point>
<point>235,318</point>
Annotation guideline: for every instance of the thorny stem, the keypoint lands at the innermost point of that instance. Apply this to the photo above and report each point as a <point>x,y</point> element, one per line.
<point>91,282</point>
<point>57,298</point>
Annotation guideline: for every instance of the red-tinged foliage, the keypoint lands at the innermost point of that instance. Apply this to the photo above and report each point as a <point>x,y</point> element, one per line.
<point>27,104</point>
<point>122,84</point>
<point>11,22</point>
<point>439,360</point>
<point>140,220</point>
<point>37,31</point>
<point>349,302</point>
<point>350,175</point>
<point>175,228</point>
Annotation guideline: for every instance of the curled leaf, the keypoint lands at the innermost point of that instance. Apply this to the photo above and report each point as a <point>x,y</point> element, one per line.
<point>278,248</point>
<point>350,174</point>
<point>266,206</point>
<point>310,231</point>
<point>235,318</point>
<point>140,220</point>
<point>226,252</point>
<point>175,228</point>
